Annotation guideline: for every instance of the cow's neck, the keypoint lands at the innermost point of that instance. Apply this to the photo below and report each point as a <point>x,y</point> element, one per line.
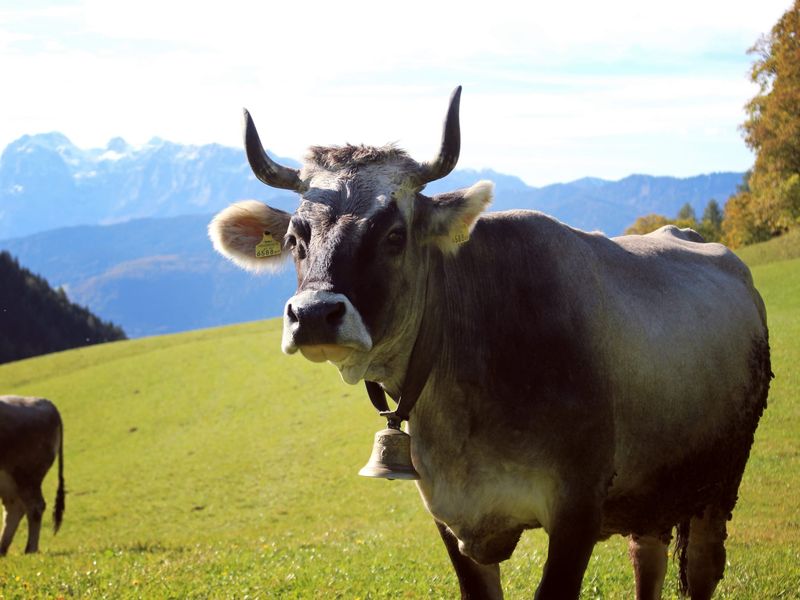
<point>418,368</point>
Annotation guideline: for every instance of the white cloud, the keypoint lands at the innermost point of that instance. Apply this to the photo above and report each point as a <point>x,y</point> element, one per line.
<point>554,81</point>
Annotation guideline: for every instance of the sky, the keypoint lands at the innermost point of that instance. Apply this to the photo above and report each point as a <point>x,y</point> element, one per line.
<point>552,91</point>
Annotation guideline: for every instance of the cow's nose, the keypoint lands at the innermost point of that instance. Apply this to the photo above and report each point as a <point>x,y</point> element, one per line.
<point>318,314</point>
<point>314,317</point>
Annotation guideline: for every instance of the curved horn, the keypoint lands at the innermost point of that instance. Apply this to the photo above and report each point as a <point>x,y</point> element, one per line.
<point>451,144</point>
<point>266,169</point>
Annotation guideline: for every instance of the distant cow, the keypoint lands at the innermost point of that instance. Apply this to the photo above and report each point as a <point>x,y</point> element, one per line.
<point>585,385</point>
<point>31,434</point>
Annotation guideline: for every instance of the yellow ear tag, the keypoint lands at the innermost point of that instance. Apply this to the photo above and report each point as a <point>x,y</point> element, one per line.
<point>460,234</point>
<point>268,246</point>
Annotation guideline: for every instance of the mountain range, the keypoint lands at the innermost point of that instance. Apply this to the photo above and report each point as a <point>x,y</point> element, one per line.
<point>151,276</point>
<point>122,229</point>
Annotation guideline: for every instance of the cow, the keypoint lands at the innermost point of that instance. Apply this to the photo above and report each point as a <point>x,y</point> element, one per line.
<point>31,435</point>
<point>564,380</point>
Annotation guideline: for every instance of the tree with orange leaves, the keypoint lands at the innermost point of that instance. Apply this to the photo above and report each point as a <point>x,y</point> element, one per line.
<point>770,202</point>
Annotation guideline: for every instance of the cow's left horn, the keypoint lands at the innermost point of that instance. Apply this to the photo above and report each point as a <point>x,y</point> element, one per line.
<point>451,145</point>
<point>266,169</point>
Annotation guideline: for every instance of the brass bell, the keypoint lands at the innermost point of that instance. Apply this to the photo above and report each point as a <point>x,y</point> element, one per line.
<point>391,456</point>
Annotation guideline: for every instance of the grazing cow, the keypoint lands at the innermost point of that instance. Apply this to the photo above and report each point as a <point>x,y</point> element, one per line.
<point>31,434</point>
<point>585,385</point>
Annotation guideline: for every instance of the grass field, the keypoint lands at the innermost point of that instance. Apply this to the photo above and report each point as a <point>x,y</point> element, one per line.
<point>209,465</point>
<point>785,247</point>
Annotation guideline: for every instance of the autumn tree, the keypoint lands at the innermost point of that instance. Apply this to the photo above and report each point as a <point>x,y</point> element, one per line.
<point>646,224</point>
<point>710,227</point>
<point>771,203</point>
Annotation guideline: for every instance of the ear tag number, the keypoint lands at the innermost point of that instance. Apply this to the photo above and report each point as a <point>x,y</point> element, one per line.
<point>268,246</point>
<point>460,234</point>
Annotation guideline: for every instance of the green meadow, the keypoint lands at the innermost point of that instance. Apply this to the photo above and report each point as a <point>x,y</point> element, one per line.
<point>209,465</point>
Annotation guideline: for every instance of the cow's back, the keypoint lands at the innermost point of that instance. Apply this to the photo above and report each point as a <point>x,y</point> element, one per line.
<point>30,430</point>
<point>684,336</point>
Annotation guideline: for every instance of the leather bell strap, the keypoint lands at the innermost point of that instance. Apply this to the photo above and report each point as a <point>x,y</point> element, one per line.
<point>420,364</point>
<point>419,368</point>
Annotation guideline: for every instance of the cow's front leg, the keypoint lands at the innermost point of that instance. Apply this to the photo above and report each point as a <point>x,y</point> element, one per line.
<point>572,534</point>
<point>477,582</point>
<point>14,511</point>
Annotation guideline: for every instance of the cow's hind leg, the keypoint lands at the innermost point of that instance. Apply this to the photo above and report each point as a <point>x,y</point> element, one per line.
<point>477,582</point>
<point>705,553</point>
<point>648,555</point>
<point>14,511</point>
<point>34,509</point>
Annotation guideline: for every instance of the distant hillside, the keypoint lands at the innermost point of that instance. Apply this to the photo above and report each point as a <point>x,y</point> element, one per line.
<point>35,319</point>
<point>611,206</point>
<point>784,247</point>
<point>47,182</point>
<point>152,276</point>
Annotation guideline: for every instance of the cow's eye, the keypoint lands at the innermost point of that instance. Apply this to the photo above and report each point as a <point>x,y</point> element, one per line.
<point>396,239</point>
<point>296,246</point>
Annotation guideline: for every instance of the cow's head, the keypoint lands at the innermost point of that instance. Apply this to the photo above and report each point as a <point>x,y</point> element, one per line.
<point>361,241</point>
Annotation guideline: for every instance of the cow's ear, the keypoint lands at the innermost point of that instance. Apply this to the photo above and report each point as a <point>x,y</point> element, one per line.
<point>251,233</point>
<point>450,217</point>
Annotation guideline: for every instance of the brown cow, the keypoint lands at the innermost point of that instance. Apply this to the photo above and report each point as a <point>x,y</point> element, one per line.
<point>31,434</point>
<point>566,381</point>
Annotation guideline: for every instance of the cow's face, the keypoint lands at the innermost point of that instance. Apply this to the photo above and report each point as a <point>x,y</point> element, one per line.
<point>361,240</point>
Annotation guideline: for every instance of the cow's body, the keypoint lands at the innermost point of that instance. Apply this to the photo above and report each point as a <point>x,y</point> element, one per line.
<point>585,385</point>
<point>649,352</point>
<point>31,436</point>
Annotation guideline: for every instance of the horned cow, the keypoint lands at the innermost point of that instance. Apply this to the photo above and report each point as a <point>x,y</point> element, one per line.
<point>571,382</point>
<point>31,435</point>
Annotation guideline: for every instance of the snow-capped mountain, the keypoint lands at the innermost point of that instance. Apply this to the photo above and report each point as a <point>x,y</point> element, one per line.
<point>47,182</point>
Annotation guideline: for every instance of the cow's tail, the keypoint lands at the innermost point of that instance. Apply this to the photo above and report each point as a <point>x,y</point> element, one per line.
<point>58,510</point>
<point>681,544</point>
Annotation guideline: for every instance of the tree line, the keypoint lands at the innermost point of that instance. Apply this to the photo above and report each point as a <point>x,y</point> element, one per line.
<point>36,319</point>
<point>710,226</point>
<point>767,204</point>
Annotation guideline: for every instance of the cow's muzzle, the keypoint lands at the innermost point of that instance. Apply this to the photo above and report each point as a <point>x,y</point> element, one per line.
<point>323,326</point>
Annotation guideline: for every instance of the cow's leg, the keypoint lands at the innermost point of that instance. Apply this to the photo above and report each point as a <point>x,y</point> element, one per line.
<point>572,538</point>
<point>477,582</point>
<point>14,510</point>
<point>34,509</point>
<point>648,555</point>
<point>705,553</point>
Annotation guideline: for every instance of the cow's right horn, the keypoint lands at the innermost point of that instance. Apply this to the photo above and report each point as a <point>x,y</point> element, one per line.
<point>447,158</point>
<point>266,169</point>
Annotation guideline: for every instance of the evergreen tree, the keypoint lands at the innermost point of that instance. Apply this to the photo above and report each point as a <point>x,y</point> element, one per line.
<point>35,319</point>
<point>710,227</point>
<point>686,213</point>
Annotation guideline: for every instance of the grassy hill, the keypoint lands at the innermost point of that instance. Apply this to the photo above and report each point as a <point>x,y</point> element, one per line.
<point>209,465</point>
<point>777,249</point>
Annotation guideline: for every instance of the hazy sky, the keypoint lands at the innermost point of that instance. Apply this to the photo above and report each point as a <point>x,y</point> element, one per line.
<point>552,92</point>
